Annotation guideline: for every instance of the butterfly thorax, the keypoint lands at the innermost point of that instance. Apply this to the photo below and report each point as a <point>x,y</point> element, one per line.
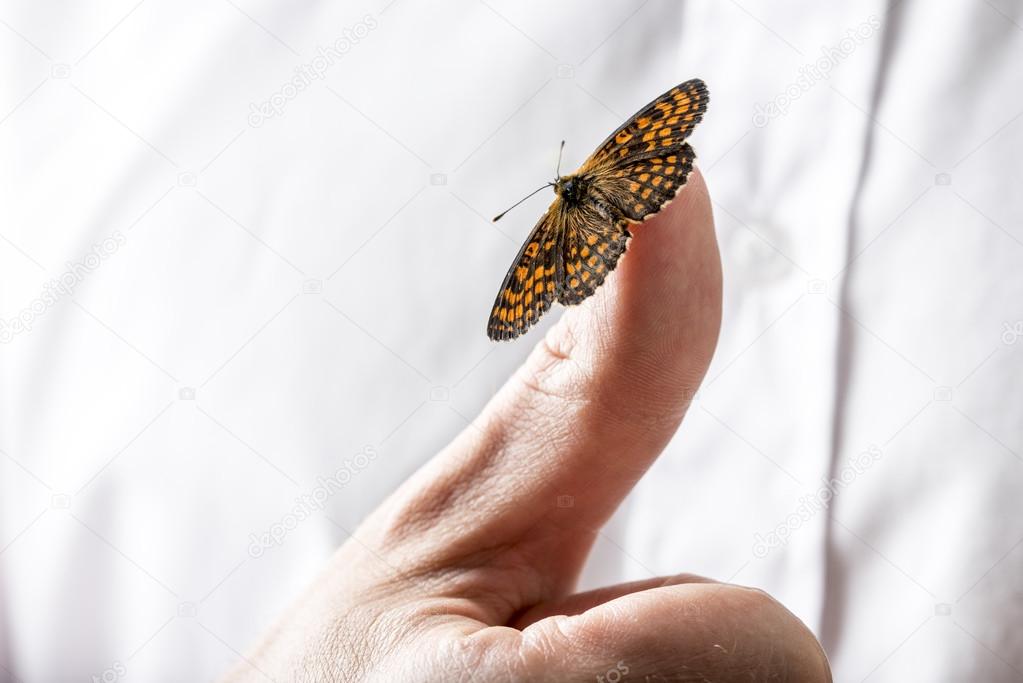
<point>572,189</point>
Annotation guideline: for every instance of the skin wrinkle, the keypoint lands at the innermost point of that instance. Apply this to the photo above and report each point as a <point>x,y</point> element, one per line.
<point>553,372</point>
<point>496,558</point>
<point>338,639</point>
<point>451,539</point>
<point>474,586</point>
<point>540,643</point>
<point>465,654</point>
<point>427,564</point>
<point>608,401</point>
<point>559,642</point>
<point>409,516</point>
<point>398,627</point>
<point>559,342</point>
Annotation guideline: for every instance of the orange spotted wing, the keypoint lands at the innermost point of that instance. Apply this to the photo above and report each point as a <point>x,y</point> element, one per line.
<point>633,174</point>
<point>531,284</point>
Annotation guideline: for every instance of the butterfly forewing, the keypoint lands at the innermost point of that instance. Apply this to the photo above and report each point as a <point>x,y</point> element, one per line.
<point>662,125</point>
<point>531,284</point>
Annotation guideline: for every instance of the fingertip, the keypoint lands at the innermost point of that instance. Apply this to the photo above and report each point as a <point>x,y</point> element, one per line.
<point>661,309</point>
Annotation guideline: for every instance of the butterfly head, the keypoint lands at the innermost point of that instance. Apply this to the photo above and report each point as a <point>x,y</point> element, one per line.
<point>571,188</point>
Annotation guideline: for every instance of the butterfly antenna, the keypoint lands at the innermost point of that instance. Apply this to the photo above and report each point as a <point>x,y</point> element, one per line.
<point>558,171</point>
<point>501,215</point>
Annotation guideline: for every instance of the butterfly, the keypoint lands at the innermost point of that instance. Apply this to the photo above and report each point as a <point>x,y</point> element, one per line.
<point>631,176</point>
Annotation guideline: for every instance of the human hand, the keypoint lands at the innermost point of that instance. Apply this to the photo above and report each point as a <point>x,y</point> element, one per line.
<point>467,571</point>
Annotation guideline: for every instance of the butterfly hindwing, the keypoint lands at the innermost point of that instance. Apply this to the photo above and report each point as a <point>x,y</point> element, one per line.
<point>592,246</point>
<point>531,284</point>
<point>644,187</point>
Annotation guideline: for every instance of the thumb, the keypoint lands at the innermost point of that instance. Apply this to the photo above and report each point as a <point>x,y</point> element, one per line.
<point>563,442</point>
<point>609,385</point>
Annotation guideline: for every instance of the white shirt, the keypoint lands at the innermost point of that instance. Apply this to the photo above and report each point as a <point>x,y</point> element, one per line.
<point>285,312</point>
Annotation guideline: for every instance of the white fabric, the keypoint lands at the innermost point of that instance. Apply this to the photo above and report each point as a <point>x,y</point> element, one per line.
<point>285,312</point>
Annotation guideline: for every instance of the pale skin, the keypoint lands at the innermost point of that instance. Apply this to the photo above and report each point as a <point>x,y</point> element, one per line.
<point>468,571</point>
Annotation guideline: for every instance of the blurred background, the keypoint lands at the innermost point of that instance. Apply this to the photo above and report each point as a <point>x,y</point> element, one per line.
<point>247,265</point>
